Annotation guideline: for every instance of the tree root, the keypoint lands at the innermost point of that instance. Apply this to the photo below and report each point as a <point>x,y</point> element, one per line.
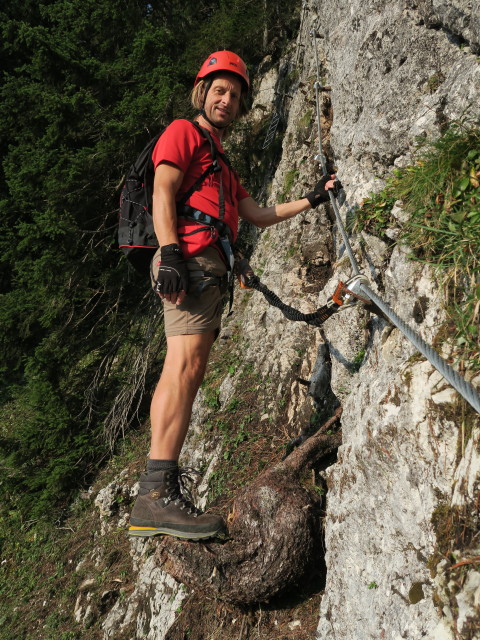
<point>275,533</point>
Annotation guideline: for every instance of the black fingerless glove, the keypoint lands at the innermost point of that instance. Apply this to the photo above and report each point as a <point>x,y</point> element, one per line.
<point>319,195</point>
<point>173,272</point>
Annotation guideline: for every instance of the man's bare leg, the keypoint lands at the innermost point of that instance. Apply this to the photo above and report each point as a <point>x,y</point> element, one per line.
<point>171,408</point>
<point>161,506</point>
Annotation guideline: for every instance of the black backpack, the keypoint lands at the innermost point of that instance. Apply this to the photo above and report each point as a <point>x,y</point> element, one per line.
<point>136,235</point>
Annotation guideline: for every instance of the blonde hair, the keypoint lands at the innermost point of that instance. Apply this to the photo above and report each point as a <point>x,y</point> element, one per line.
<point>198,97</point>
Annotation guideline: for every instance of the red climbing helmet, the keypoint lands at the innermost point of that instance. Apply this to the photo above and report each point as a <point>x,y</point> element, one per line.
<point>223,61</point>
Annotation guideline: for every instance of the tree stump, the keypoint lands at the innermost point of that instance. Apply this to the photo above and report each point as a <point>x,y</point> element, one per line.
<point>274,534</point>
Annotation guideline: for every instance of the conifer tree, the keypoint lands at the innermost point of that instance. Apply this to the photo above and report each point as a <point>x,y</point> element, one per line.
<point>85,84</point>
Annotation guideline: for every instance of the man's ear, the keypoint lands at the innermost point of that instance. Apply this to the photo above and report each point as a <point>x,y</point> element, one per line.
<point>205,89</point>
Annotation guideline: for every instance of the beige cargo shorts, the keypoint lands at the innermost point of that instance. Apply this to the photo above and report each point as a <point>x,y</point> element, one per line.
<point>201,310</point>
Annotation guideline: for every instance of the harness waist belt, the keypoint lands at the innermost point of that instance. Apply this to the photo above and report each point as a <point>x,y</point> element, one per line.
<point>185,211</point>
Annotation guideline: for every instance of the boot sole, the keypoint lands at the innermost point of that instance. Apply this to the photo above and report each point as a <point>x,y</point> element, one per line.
<point>147,532</point>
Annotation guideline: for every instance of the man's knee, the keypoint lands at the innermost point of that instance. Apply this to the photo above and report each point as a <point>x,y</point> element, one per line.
<point>187,356</point>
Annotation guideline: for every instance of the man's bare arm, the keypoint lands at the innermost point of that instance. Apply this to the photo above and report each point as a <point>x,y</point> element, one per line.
<point>168,179</point>
<point>263,217</point>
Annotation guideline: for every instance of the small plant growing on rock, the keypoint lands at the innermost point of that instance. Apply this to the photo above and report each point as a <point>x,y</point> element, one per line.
<point>441,197</point>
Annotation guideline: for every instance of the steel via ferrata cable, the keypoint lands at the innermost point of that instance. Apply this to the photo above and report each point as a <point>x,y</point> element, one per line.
<point>453,377</point>
<point>323,161</point>
<point>459,383</point>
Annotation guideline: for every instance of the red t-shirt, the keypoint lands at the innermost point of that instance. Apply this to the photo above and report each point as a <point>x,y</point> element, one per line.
<point>183,146</point>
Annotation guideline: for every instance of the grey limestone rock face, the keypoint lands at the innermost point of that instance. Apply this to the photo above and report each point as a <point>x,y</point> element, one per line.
<point>397,70</point>
<point>460,19</point>
<point>393,79</point>
<point>150,609</point>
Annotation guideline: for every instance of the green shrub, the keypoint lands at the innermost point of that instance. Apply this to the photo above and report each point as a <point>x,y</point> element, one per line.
<point>440,193</point>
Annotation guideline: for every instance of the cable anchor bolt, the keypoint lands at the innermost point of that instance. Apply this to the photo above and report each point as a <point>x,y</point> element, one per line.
<point>320,158</point>
<point>353,288</point>
<point>348,294</point>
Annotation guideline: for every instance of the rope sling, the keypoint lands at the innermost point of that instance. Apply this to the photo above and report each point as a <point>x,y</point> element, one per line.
<point>356,289</point>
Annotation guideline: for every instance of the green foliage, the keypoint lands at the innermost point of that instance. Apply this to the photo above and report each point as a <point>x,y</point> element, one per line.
<point>211,398</point>
<point>33,547</point>
<point>84,86</point>
<point>304,125</point>
<point>440,194</point>
<point>358,361</point>
<point>435,81</point>
<point>251,29</point>
<point>374,216</point>
<point>73,103</point>
<point>290,179</point>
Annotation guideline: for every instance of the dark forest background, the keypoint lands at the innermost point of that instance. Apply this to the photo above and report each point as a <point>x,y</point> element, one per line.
<point>85,84</point>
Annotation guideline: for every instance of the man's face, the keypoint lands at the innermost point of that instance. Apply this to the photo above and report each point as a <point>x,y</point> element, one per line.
<point>223,99</point>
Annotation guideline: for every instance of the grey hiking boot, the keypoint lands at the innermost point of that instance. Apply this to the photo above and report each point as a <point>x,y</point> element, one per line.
<point>163,506</point>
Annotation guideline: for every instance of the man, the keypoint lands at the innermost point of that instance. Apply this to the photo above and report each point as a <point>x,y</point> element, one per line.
<point>188,273</point>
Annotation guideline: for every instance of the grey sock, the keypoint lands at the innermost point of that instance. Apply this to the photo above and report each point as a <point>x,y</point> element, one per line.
<point>160,465</point>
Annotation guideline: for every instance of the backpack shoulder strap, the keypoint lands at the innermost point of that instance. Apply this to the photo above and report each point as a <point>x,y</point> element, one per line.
<point>213,147</point>
<point>212,168</point>
<point>146,155</point>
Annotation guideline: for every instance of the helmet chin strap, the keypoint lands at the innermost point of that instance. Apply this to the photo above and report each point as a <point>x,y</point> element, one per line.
<point>217,126</point>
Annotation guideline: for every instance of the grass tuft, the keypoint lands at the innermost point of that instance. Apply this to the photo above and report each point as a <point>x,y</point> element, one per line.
<point>440,196</point>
